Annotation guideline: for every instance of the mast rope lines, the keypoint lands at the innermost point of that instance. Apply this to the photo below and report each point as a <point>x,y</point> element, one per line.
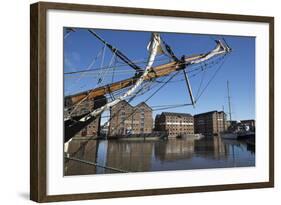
<point>160,71</point>
<point>211,79</point>
<point>101,76</point>
<point>93,72</point>
<point>120,64</point>
<point>89,66</point>
<point>148,98</point>
<point>115,52</point>
<point>153,46</point>
<point>118,52</point>
<point>68,32</point>
<point>165,107</point>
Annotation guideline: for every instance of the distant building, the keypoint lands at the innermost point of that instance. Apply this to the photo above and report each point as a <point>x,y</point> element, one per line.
<point>175,124</point>
<point>249,123</point>
<point>231,125</point>
<point>210,123</point>
<point>127,119</point>
<point>241,126</point>
<point>91,130</point>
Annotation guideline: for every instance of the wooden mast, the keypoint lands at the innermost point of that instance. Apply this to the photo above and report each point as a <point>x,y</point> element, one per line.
<point>156,72</point>
<point>76,123</point>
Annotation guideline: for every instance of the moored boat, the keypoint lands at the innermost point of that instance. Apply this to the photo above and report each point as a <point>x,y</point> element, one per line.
<point>246,135</point>
<point>229,135</point>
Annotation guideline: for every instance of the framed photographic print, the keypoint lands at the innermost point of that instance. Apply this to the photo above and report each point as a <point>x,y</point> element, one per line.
<point>135,102</point>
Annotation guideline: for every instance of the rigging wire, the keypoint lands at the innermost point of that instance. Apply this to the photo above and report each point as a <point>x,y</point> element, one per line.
<point>201,82</point>
<point>89,67</point>
<point>106,72</point>
<point>204,69</point>
<point>68,32</point>
<point>212,78</point>
<point>146,84</point>
<point>162,107</point>
<point>147,99</point>
<point>121,65</point>
<point>192,68</point>
<point>129,100</point>
<point>99,82</point>
<point>116,51</point>
<point>192,76</point>
<point>174,106</point>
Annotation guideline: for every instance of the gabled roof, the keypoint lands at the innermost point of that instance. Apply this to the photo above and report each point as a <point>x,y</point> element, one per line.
<point>143,104</point>
<point>124,101</point>
<point>137,106</point>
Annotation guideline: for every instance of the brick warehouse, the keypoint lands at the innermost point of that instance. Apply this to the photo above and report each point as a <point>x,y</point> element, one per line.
<point>128,119</point>
<point>210,123</point>
<point>84,107</point>
<point>176,124</point>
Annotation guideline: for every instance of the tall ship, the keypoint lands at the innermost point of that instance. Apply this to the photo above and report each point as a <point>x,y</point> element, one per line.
<point>104,96</point>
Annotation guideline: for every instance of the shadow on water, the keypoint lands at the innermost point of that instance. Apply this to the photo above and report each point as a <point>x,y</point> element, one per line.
<point>157,155</point>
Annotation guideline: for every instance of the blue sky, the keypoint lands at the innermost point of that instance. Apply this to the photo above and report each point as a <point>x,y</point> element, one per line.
<point>80,48</point>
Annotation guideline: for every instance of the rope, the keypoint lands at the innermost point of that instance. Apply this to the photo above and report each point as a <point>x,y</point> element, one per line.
<point>170,52</point>
<point>121,65</point>
<point>143,101</point>
<point>68,32</point>
<point>95,164</point>
<point>120,110</point>
<point>118,52</point>
<point>99,81</point>
<point>173,107</point>
<point>192,69</point>
<point>211,79</point>
<point>89,67</point>
<point>201,82</point>
<point>106,70</point>
<point>209,64</point>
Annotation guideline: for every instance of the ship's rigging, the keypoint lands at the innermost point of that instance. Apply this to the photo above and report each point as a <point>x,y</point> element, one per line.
<point>147,77</point>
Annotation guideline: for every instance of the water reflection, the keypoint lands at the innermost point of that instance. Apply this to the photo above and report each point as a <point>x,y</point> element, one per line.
<point>174,149</point>
<point>214,148</point>
<point>157,155</point>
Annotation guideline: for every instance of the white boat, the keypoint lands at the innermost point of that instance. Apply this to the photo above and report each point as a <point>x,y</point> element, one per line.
<point>229,135</point>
